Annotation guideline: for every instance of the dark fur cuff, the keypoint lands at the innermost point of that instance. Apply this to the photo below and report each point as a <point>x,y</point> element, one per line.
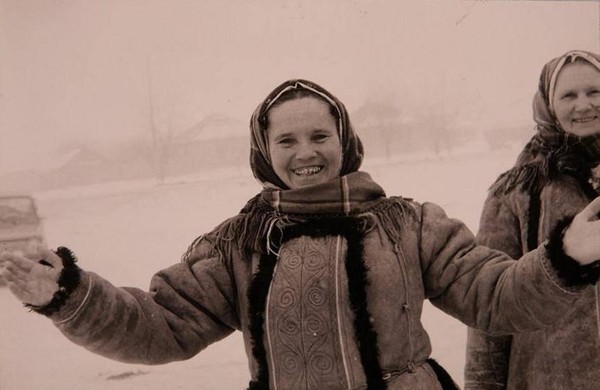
<point>568,269</point>
<point>67,282</point>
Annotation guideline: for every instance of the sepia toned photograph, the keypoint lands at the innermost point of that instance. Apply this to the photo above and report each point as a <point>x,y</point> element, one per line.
<point>261,194</point>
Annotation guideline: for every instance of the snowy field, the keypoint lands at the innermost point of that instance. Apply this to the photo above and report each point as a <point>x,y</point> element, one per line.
<point>127,231</point>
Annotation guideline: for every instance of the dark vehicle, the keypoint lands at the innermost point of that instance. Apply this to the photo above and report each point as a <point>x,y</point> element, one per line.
<point>20,224</point>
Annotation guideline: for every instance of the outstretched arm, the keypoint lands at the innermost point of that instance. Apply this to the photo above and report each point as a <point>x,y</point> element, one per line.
<point>487,289</point>
<point>189,306</point>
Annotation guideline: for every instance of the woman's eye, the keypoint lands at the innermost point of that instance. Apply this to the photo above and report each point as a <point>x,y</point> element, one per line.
<point>569,95</point>
<point>285,142</point>
<point>320,137</point>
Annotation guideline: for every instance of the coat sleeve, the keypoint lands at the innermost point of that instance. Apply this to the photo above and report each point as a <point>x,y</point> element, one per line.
<point>188,306</point>
<point>485,288</point>
<point>487,357</point>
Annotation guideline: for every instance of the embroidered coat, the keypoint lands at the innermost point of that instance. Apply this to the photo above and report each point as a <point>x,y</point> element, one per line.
<point>338,307</point>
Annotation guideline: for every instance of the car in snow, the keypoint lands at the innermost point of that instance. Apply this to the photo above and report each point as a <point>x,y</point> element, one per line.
<point>20,224</point>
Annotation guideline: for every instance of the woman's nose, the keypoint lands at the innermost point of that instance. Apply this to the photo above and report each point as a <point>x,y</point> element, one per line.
<point>583,103</point>
<point>305,151</point>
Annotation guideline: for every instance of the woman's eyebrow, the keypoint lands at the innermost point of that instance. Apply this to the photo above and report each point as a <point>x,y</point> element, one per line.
<point>320,130</point>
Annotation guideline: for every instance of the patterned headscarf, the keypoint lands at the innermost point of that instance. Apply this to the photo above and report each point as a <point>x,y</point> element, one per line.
<point>552,150</point>
<point>260,159</point>
<point>547,125</point>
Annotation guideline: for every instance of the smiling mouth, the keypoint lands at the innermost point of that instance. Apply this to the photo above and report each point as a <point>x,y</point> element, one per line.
<point>584,120</point>
<point>308,171</point>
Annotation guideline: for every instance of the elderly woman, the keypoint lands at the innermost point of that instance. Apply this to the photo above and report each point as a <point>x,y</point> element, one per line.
<point>323,274</point>
<point>555,176</point>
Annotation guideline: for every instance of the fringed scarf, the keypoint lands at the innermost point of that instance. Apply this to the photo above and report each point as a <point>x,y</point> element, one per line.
<point>259,226</point>
<point>551,151</point>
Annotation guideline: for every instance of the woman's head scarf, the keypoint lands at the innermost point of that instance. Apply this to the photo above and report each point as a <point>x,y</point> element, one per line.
<point>544,116</point>
<point>552,150</point>
<point>260,160</point>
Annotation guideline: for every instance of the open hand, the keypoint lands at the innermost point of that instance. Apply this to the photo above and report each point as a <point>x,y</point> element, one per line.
<point>581,240</point>
<point>32,276</point>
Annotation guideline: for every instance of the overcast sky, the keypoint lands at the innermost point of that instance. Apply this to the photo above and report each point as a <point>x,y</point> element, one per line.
<point>85,71</point>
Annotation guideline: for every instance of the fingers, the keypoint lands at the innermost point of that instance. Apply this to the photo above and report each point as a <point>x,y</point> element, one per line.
<point>590,212</point>
<point>21,267</point>
<point>18,289</point>
<point>37,253</point>
<point>14,262</point>
<point>30,281</point>
<point>16,270</point>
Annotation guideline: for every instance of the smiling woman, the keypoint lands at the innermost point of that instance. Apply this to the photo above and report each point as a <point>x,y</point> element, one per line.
<point>304,144</point>
<point>576,98</point>
<point>555,176</point>
<point>323,274</point>
<point>302,132</point>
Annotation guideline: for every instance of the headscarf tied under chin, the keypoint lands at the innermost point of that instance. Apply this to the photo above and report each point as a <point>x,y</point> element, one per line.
<point>260,161</point>
<point>552,150</point>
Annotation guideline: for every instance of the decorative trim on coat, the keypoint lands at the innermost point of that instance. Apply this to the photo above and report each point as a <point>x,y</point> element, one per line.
<point>353,229</point>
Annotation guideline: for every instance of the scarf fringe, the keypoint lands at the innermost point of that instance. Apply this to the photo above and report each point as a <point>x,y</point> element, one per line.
<point>526,178</point>
<point>259,229</point>
<point>540,163</point>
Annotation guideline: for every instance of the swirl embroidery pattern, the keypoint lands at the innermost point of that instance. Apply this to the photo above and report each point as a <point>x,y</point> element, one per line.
<point>303,316</point>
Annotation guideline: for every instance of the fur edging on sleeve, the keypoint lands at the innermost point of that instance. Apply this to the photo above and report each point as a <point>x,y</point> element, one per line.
<point>568,269</point>
<point>68,280</point>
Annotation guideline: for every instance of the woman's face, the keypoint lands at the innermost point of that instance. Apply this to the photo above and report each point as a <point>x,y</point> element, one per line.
<point>303,142</point>
<point>576,99</point>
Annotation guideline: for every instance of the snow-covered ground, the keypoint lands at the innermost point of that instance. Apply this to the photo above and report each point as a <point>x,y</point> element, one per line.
<point>127,231</point>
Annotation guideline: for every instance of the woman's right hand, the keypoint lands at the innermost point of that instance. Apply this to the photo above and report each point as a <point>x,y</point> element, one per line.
<point>33,276</point>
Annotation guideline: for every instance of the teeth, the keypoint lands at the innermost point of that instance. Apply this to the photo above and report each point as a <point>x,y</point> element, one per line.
<point>307,171</point>
<point>584,120</point>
